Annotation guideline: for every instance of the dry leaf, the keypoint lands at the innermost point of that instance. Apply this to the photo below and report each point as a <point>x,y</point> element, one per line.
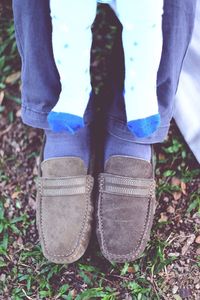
<point>176,254</point>
<point>175,181</point>
<point>73,293</point>
<point>35,170</point>
<point>1,97</point>
<point>161,156</point>
<point>20,241</point>
<point>13,77</point>
<point>198,251</point>
<point>171,209</point>
<point>183,188</point>
<point>131,270</point>
<point>197,286</point>
<point>18,113</point>
<point>15,195</point>
<point>197,240</point>
<point>177,297</point>
<point>163,217</point>
<point>189,242</point>
<point>177,195</point>
<point>175,289</point>
<point>6,204</point>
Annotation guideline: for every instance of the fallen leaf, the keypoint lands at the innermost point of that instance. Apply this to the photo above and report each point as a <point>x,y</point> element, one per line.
<point>161,156</point>
<point>197,286</point>
<point>198,251</point>
<point>189,242</point>
<point>1,97</point>
<point>18,113</point>
<point>176,254</point>
<point>175,289</point>
<point>166,199</point>
<point>171,209</point>
<point>20,241</point>
<point>2,277</point>
<point>182,237</point>
<point>131,270</point>
<point>163,217</point>
<point>177,297</point>
<point>183,188</point>
<point>177,195</point>
<point>6,204</point>
<point>15,195</point>
<point>13,77</point>
<point>35,170</point>
<point>175,181</point>
<point>73,293</point>
<point>197,240</point>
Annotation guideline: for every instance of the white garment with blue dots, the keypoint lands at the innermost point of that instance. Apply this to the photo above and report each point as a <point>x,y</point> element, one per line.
<point>142,41</point>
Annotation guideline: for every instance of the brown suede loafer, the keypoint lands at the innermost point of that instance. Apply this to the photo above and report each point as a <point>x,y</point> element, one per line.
<point>126,207</point>
<point>64,208</point>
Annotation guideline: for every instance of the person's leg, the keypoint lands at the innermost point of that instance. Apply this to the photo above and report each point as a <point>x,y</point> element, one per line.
<point>72,38</point>
<point>68,135</point>
<point>142,42</point>
<point>117,111</point>
<point>126,202</point>
<point>64,204</point>
<point>40,78</point>
<point>177,26</point>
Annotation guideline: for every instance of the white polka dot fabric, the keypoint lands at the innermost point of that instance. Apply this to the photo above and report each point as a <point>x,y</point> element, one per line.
<point>142,41</point>
<point>71,22</point>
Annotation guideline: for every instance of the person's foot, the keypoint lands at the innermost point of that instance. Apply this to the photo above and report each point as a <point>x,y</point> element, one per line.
<point>126,206</point>
<point>115,145</point>
<point>65,144</point>
<point>126,201</point>
<point>64,210</point>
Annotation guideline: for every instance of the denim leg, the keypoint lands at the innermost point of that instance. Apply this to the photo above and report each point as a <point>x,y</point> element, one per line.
<point>177,27</point>
<point>40,78</point>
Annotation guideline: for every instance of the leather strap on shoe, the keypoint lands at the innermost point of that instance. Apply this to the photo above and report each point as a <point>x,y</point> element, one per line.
<point>64,186</point>
<point>114,184</point>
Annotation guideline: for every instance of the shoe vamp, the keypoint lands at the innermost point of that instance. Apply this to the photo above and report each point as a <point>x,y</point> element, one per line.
<point>125,220</point>
<point>63,220</point>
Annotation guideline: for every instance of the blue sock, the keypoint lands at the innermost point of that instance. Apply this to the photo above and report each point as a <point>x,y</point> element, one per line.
<point>59,121</point>
<point>118,146</point>
<point>61,144</point>
<point>144,127</point>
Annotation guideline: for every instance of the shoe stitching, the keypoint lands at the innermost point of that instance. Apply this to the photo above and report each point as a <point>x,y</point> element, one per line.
<point>123,185</point>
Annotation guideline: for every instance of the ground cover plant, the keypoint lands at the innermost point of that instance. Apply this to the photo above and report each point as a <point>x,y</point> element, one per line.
<point>170,266</point>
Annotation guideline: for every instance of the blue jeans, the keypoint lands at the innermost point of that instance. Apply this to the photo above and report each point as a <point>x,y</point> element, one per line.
<point>41,82</point>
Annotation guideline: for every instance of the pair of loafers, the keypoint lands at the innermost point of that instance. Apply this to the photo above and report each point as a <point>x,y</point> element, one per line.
<point>124,211</point>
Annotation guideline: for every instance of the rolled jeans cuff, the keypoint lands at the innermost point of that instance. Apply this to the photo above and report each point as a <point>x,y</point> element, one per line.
<point>119,129</point>
<point>34,118</point>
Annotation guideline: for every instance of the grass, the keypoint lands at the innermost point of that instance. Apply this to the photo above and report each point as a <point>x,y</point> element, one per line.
<point>26,274</point>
